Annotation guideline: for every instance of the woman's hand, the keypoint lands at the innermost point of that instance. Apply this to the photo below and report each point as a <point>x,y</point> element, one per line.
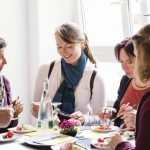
<point>130,119</point>
<point>106,112</point>
<point>35,107</point>
<point>6,114</point>
<point>115,140</point>
<point>67,146</point>
<point>18,107</point>
<point>78,116</point>
<point>125,108</point>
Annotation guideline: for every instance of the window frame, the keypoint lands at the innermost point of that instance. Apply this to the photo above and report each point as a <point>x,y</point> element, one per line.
<point>104,53</point>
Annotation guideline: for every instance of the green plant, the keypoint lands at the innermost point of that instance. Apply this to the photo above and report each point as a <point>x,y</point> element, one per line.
<point>68,127</point>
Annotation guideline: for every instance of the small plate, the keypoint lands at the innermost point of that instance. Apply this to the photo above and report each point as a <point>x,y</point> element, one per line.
<point>110,129</point>
<point>23,130</point>
<point>75,147</point>
<point>98,145</point>
<point>5,140</point>
<point>30,142</point>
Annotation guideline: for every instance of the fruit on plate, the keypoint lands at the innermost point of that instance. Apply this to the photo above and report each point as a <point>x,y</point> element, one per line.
<point>8,134</point>
<point>100,140</point>
<point>103,127</point>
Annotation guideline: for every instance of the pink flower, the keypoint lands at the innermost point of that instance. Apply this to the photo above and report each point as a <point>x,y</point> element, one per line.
<point>66,124</point>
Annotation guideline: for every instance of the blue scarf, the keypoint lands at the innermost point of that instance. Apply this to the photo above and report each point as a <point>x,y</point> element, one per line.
<point>72,76</point>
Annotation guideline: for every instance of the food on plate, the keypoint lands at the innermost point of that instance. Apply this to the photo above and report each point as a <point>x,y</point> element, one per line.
<point>8,134</point>
<point>104,127</point>
<point>24,127</point>
<point>101,142</point>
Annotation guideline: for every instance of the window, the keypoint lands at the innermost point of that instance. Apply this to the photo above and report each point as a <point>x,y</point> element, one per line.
<point>138,12</point>
<point>103,22</point>
<point>106,23</point>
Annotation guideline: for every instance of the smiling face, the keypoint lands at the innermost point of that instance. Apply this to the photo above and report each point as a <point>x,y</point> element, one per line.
<point>127,63</point>
<point>2,59</point>
<point>70,52</point>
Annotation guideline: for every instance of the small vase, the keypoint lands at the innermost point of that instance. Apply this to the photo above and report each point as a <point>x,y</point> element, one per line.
<point>72,132</point>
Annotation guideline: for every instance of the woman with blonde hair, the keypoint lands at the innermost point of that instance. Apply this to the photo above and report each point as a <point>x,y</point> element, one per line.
<point>69,81</point>
<point>141,42</point>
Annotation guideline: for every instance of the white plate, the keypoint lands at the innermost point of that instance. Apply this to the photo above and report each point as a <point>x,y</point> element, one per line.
<point>110,129</point>
<point>30,142</point>
<point>22,131</point>
<point>98,145</point>
<point>3,140</point>
<point>53,147</point>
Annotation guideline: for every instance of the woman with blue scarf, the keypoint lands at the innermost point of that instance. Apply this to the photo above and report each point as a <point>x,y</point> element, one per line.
<point>69,81</point>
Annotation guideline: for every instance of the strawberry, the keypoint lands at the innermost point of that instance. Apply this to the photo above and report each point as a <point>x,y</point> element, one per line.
<point>100,140</point>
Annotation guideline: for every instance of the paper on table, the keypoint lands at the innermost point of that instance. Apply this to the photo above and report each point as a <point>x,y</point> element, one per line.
<point>41,138</point>
<point>40,132</point>
<point>60,139</point>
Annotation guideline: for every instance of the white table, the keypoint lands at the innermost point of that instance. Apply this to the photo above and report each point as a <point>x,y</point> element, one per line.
<point>20,145</point>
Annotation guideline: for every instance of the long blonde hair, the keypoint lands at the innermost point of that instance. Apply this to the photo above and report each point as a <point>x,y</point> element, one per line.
<point>71,33</point>
<point>141,42</point>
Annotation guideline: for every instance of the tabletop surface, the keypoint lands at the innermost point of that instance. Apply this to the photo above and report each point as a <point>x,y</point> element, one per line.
<point>83,138</point>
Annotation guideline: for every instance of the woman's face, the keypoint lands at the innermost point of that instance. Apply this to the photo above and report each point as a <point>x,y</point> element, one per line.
<point>69,52</point>
<point>127,63</point>
<point>2,59</point>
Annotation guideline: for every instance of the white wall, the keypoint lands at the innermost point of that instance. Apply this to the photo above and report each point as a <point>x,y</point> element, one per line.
<point>13,27</point>
<point>52,13</point>
<point>28,27</point>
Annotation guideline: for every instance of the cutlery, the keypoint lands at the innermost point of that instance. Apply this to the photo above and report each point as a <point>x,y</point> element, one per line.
<point>63,113</point>
<point>14,103</point>
<point>112,120</point>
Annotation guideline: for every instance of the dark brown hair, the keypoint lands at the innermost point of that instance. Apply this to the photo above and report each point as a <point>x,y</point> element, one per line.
<point>128,47</point>
<point>2,43</point>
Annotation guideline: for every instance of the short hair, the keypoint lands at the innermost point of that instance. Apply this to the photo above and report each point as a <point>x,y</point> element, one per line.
<point>128,47</point>
<point>2,43</point>
<point>141,42</point>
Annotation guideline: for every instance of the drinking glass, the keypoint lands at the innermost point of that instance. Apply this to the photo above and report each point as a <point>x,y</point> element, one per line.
<point>55,113</point>
<point>106,114</point>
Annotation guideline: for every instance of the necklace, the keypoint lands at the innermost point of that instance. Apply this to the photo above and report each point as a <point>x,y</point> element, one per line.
<point>142,87</point>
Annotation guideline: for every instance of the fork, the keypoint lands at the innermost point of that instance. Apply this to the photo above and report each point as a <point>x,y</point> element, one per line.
<point>112,120</point>
<point>63,113</point>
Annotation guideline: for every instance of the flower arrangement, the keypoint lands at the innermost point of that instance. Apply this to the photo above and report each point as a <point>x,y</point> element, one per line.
<point>68,127</point>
